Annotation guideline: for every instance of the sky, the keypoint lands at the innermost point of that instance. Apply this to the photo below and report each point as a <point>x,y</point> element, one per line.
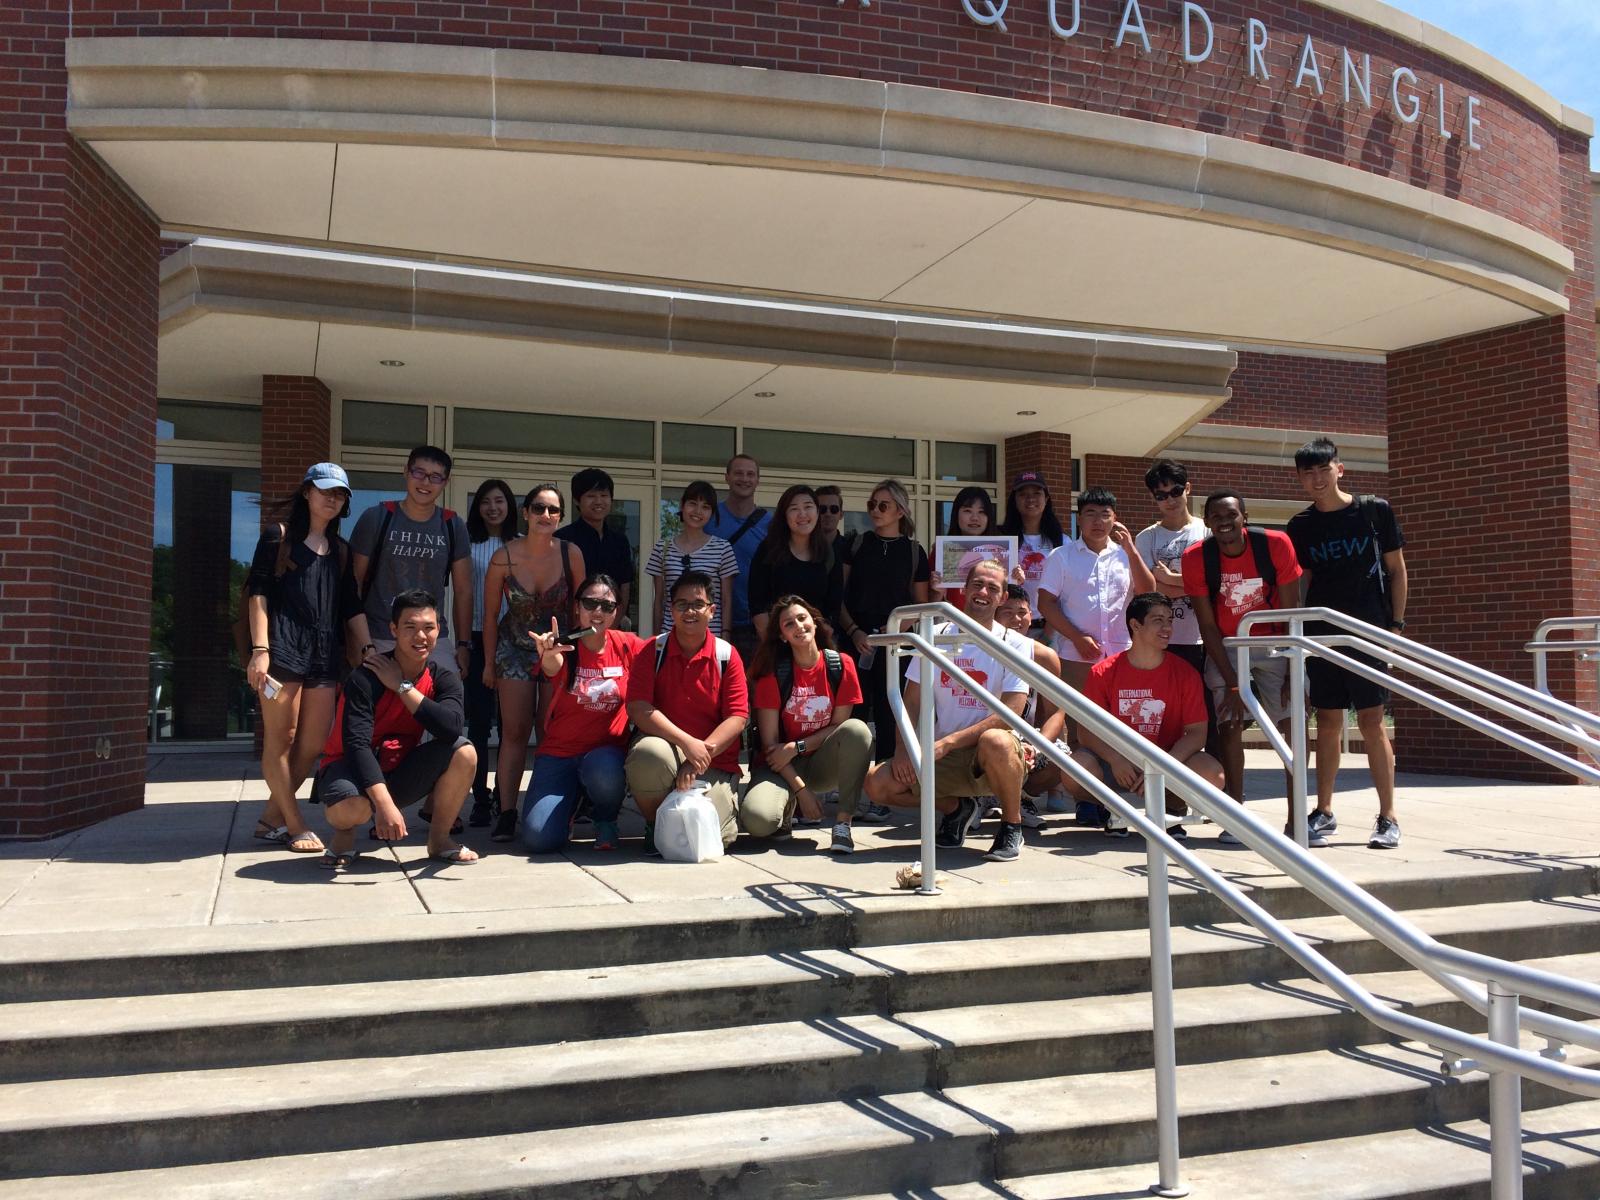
<point>1552,42</point>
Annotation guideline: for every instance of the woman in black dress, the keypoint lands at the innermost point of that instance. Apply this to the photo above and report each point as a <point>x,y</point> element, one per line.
<point>302,596</point>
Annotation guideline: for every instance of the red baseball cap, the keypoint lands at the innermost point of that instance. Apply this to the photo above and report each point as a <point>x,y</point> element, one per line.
<point>1029,479</point>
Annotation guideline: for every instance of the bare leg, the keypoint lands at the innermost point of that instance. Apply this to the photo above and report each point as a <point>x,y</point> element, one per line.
<point>1330,728</point>
<point>1230,743</point>
<point>1380,756</point>
<point>516,726</point>
<point>1002,768</point>
<point>311,734</point>
<point>446,799</point>
<point>279,720</point>
<point>346,817</point>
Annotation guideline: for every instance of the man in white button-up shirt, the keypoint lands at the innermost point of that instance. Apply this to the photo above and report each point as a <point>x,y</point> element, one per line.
<point>1084,591</point>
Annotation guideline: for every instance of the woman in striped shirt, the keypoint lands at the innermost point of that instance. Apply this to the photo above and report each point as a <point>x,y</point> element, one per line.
<point>693,549</point>
<point>491,523</point>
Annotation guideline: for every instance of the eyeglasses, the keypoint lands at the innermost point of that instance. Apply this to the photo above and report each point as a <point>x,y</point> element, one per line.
<point>590,603</point>
<point>1172,493</point>
<point>539,510</point>
<point>880,505</point>
<point>830,509</point>
<point>690,606</point>
<point>422,476</point>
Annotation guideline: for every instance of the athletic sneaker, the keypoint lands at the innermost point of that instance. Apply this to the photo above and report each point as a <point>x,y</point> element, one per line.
<point>842,842</point>
<point>1059,801</point>
<point>483,811</point>
<point>1007,843</point>
<point>874,814</point>
<point>650,850</point>
<point>606,835</point>
<point>1385,835</point>
<point>954,827</point>
<point>1087,812</point>
<point>1319,825</point>
<point>505,826</point>
<point>1031,816</point>
<point>987,805</point>
<point>1225,838</point>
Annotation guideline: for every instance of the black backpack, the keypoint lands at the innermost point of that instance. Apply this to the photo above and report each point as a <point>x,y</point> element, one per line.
<point>1260,546</point>
<point>783,671</point>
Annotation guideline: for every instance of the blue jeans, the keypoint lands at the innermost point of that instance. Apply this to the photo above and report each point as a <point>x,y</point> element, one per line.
<point>552,795</point>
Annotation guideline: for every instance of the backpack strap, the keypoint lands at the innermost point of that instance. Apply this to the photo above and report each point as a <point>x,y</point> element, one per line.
<point>284,563</point>
<point>1261,547</point>
<point>749,524</point>
<point>724,652</point>
<point>834,662</point>
<point>450,538</point>
<point>1369,510</point>
<point>783,672</point>
<point>1211,556</point>
<point>364,585</point>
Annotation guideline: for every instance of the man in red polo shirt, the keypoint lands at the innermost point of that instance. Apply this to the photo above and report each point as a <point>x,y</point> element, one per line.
<point>688,699</point>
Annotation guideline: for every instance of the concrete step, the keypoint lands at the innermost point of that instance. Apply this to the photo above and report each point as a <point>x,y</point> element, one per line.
<point>786,919</point>
<point>192,1030</point>
<point>163,1119</point>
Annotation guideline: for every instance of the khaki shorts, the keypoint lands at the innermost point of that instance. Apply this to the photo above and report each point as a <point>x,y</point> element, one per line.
<point>1267,677</point>
<point>957,773</point>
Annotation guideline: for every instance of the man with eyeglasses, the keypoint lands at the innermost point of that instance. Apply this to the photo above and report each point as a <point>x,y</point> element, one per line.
<point>411,544</point>
<point>688,698</point>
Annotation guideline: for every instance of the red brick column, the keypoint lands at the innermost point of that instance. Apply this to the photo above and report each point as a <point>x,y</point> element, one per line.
<point>296,431</point>
<point>1494,459</point>
<point>1050,454</point>
<point>78,260</point>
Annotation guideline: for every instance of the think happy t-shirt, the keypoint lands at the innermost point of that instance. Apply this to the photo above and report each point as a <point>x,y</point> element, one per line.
<point>416,554</point>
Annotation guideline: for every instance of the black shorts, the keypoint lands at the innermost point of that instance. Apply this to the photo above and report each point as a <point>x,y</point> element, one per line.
<point>412,778</point>
<point>1333,687</point>
<point>306,679</point>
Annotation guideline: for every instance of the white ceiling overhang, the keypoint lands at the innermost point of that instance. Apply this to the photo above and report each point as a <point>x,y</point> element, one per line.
<point>796,186</point>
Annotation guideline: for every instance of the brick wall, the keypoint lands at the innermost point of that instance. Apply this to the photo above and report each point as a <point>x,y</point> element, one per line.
<point>78,264</point>
<point>296,416</point>
<point>932,43</point>
<point>1050,454</point>
<point>1285,391</point>
<point>1496,463</point>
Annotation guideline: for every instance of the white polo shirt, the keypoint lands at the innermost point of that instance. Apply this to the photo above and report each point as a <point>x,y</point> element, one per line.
<point>1093,591</point>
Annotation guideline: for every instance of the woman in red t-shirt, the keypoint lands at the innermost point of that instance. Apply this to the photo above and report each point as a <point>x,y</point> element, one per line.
<point>586,725</point>
<point>803,691</point>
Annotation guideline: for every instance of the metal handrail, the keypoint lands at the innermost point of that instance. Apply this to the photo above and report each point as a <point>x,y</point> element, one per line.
<point>1499,1054</point>
<point>1543,646</point>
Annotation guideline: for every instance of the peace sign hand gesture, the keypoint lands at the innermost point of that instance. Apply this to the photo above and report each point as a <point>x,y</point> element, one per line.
<point>549,643</point>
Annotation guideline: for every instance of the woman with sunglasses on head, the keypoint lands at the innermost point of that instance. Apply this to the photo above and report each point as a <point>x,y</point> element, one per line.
<point>795,558</point>
<point>885,569</point>
<point>302,598</point>
<point>803,692</point>
<point>491,524</point>
<point>585,735</point>
<point>537,577</point>
<point>693,549</point>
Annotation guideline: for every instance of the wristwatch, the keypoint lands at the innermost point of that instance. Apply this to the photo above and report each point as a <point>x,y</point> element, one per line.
<point>405,686</point>
<point>463,644</point>
<point>800,746</point>
<point>1398,625</point>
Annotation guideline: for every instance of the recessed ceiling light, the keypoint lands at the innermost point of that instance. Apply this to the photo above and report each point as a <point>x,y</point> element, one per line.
<point>390,362</point>
<point>1027,412</point>
<point>765,395</point>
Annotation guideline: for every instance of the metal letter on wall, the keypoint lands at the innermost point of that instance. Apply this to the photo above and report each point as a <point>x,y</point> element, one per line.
<point>1256,36</point>
<point>994,12</point>
<point>1190,12</point>
<point>1132,22</point>
<point>1055,21</point>
<point>1408,107</point>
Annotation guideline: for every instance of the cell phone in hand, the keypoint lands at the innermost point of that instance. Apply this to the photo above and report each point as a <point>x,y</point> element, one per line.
<point>270,688</point>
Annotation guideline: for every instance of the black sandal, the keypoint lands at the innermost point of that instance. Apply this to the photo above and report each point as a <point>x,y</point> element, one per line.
<point>505,826</point>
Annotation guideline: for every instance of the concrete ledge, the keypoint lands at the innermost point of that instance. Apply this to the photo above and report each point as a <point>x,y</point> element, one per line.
<point>165,89</point>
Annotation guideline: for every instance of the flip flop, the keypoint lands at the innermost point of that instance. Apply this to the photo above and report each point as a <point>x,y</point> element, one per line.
<point>297,843</point>
<point>453,855</point>
<point>278,834</point>
<point>339,860</point>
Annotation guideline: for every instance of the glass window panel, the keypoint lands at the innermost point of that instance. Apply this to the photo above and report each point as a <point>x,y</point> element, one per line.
<point>831,453</point>
<point>194,421</point>
<point>966,460</point>
<point>696,445</point>
<point>367,423</point>
<point>549,433</point>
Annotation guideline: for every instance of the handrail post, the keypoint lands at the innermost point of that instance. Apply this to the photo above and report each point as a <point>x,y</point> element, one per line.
<point>1297,737</point>
<point>1505,1101</point>
<point>1164,1039</point>
<point>925,736</point>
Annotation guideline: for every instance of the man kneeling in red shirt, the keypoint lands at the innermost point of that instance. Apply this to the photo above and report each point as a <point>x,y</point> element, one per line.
<point>1156,694</point>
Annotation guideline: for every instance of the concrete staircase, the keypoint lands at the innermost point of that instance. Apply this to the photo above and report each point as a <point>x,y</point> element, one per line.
<point>802,1045</point>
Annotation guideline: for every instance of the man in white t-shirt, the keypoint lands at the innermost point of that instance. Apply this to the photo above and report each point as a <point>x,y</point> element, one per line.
<point>976,753</point>
<point>1084,592</point>
<point>1162,545</point>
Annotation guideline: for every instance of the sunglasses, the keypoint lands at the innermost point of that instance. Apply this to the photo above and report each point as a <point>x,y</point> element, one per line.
<point>539,510</point>
<point>422,476</point>
<point>881,506</point>
<point>590,603</point>
<point>1172,493</point>
<point>829,509</point>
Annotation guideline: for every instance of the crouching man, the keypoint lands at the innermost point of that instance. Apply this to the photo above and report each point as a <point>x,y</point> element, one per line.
<point>688,698</point>
<point>375,762</point>
<point>1157,695</point>
<point>976,753</point>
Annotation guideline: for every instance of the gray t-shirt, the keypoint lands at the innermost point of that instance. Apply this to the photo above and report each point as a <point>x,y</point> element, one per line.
<point>1158,544</point>
<point>418,555</point>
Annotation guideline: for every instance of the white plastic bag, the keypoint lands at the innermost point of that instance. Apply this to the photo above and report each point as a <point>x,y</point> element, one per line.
<point>688,828</point>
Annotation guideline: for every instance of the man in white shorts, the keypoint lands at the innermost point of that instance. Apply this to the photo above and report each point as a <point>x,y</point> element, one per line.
<point>1235,571</point>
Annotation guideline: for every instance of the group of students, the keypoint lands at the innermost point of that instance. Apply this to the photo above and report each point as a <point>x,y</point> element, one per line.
<point>764,621</point>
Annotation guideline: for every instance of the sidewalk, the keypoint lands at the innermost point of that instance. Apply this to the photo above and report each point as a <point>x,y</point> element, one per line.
<point>188,858</point>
